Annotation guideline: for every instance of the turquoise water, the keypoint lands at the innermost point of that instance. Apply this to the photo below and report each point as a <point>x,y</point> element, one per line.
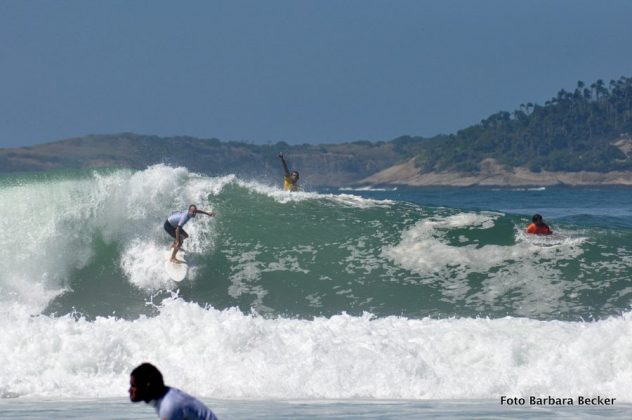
<point>415,253</point>
<point>415,300</point>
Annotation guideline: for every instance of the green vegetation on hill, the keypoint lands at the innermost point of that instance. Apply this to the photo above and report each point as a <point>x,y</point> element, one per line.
<point>573,131</point>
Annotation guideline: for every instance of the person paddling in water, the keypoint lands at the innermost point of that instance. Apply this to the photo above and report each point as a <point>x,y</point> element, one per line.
<point>174,227</point>
<point>290,180</point>
<point>538,227</point>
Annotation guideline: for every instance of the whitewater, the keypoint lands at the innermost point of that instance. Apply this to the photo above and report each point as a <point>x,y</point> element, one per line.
<point>350,294</point>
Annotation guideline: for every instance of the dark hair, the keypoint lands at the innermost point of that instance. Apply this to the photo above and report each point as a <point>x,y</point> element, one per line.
<point>536,218</point>
<point>192,205</point>
<point>295,172</point>
<point>150,379</point>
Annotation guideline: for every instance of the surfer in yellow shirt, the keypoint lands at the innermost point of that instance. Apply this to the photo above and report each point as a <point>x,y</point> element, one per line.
<point>290,180</point>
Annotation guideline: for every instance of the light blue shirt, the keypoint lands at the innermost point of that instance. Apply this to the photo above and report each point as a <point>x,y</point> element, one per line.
<point>179,218</point>
<point>178,405</point>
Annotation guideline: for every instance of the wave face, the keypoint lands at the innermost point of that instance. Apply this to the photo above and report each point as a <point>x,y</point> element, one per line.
<point>305,295</point>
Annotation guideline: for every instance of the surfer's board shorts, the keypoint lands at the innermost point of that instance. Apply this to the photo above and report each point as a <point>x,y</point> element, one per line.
<point>172,230</point>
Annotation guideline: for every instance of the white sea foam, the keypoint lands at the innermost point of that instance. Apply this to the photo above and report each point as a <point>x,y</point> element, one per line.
<point>425,249</point>
<point>57,223</point>
<point>530,266</point>
<point>367,188</point>
<point>357,201</point>
<point>41,239</point>
<point>143,264</point>
<point>282,196</point>
<point>228,354</point>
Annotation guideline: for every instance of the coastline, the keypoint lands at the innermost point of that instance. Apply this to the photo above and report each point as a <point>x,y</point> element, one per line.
<point>493,174</point>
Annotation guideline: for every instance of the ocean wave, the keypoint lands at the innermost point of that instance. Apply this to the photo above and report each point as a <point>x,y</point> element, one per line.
<point>302,295</point>
<point>367,188</point>
<point>94,243</point>
<point>230,354</point>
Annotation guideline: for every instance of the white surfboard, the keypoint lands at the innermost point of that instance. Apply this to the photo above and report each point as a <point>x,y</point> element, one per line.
<point>176,271</point>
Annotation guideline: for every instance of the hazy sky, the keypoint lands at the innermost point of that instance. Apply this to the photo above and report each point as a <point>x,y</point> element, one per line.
<point>293,70</point>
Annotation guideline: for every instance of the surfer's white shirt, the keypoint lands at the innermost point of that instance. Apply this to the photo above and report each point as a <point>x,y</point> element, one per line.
<point>178,405</point>
<point>180,218</point>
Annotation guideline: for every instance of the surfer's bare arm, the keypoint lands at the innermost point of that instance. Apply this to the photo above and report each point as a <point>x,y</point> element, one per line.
<point>212,213</point>
<point>285,169</point>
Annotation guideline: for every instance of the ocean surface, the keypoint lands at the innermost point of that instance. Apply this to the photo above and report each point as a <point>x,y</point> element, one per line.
<point>330,303</point>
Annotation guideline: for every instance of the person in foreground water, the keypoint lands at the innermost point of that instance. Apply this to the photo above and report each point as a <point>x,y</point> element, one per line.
<point>174,227</point>
<point>538,227</point>
<point>146,384</point>
<point>290,180</point>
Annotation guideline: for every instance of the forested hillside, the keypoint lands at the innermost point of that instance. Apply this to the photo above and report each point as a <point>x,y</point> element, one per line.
<point>588,129</point>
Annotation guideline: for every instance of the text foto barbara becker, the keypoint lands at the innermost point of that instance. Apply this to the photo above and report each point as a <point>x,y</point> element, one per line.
<point>549,400</point>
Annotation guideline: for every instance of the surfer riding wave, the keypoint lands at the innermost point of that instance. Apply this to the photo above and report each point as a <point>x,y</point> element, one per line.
<point>174,226</point>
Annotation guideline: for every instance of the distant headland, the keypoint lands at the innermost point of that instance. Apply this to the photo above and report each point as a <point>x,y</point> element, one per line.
<point>581,137</point>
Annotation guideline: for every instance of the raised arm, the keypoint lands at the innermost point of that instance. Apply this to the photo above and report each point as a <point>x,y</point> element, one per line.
<point>287,171</point>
